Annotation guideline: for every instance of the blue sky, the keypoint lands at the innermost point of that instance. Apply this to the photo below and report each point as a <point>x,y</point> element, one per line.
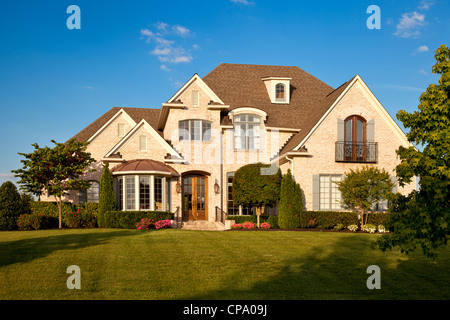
<point>55,81</point>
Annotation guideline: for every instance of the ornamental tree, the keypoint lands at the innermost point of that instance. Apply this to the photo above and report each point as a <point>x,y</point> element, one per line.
<point>291,203</point>
<point>55,170</point>
<point>107,199</point>
<point>254,187</point>
<point>363,187</point>
<point>423,218</point>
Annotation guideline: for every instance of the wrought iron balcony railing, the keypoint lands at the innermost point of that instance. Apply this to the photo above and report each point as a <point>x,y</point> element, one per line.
<point>364,152</point>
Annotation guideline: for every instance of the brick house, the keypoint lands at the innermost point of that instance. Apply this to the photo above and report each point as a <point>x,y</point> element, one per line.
<point>182,157</point>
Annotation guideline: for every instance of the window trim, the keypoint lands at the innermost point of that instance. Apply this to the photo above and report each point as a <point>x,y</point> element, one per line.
<point>283,86</point>
<point>246,123</point>
<point>330,186</point>
<point>98,191</point>
<point>189,132</point>
<point>135,196</point>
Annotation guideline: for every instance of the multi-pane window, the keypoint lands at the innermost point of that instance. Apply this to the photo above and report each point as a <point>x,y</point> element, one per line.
<point>280,92</point>
<point>92,193</point>
<point>158,193</point>
<point>232,209</point>
<point>130,193</point>
<point>330,196</point>
<point>194,130</point>
<point>246,132</point>
<point>144,192</point>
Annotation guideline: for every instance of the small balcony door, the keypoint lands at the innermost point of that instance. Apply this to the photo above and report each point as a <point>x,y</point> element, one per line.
<point>355,139</point>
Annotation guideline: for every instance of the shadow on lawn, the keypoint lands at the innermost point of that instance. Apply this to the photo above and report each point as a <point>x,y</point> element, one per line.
<point>338,272</point>
<point>26,250</point>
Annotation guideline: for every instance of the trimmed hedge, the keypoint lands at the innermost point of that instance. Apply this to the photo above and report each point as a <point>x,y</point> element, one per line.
<point>319,219</point>
<point>129,219</point>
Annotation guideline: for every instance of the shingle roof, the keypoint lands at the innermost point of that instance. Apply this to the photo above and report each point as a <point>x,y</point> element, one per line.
<point>137,114</point>
<point>240,85</point>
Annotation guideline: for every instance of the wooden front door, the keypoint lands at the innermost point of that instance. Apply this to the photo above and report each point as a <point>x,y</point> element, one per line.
<point>195,195</point>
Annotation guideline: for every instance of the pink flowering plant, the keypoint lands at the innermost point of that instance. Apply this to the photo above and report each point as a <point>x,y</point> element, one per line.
<point>145,224</point>
<point>161,224</point>
<point>264,225</point>
<point>248,225</point>
<point>236,226</point>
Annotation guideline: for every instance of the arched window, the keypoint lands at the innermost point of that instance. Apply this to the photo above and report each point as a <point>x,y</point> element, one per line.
<point>93,193</point>
<point>280,92</point>
<point>355,138</point>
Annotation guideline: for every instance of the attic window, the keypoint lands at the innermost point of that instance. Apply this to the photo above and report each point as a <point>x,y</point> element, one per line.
<point>121,130</point>
<point>279,92</point>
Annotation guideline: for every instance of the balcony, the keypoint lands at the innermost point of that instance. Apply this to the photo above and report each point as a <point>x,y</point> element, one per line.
<point>360,152</point>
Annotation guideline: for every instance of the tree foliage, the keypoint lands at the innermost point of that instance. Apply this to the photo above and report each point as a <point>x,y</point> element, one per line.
<point>363,187</point>
<point>55,170</point>
<point>424,217</point>
<point>252,187</point>
<point>10,206</point>
<point>107,199</point>
<point>291,203</point>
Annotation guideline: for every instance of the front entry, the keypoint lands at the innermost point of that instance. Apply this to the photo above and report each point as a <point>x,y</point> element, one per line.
<point>195,195</point>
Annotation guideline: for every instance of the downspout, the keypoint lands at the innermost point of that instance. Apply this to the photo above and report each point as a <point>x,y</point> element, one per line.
<point>292,164</point>
<point>221,170</point>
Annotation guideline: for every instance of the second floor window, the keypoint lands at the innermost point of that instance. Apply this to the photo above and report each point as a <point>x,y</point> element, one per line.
<point>246,132</point>
<point>194,130</point>
<point>355,138</point>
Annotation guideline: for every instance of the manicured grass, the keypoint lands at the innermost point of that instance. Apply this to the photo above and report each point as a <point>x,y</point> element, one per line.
<point>182,264</point>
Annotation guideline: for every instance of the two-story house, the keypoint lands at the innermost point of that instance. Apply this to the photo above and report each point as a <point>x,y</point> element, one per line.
<point>183,155</point>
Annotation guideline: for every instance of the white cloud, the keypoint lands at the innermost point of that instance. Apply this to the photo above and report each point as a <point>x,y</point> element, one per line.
<point>426,4</point>
<point>166,48</point>
<point>409,23</point>
<point>7,175</point>
<point>422,72</point>
<point>182,31</point>
<point>422,49</point>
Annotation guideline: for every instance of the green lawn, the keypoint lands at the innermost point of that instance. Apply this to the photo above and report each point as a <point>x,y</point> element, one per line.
<point>182,264</point>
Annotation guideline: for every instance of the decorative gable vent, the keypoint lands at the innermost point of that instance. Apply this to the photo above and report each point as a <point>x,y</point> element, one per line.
<point>278,89</point>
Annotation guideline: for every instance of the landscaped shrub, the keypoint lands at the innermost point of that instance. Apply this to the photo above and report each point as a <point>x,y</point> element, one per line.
<point>352,227</point>
<point>36,221</point>
<point>80,219</point>
<point>248,225</point>
<point>327,219</point>
<point>236,226</point>
<point>162,224</point>
<point>273,221</point>
<point>129,219</point>
<point>291,203</point>
<point>370,228</point>
<point>264,225</point>
<point>145,224</point>
<point>10,206</point>
<point>252,218</point>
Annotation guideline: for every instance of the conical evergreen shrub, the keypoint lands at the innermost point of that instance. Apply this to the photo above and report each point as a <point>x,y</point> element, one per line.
<point>291,203</point>
<point>107,199</point>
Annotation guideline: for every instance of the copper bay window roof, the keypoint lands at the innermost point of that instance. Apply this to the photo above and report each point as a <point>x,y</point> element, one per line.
<point>143,166</point>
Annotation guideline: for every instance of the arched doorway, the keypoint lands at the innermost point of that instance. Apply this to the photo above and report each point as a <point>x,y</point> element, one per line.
<point>195,196</point>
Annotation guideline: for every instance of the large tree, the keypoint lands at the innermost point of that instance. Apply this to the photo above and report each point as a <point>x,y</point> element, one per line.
<point>363,187</point>
<point>255,186</point>
<point>423,218</point>
<point>55,170</point>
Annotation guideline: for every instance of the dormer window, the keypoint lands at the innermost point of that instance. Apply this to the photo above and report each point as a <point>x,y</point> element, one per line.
<point>279,92</point>
<point>278,89</point>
